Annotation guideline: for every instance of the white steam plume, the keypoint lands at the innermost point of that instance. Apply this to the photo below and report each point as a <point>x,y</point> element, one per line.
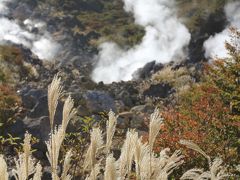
<point>164,41</point>
<point>41,44</point>
<point>215,45</point>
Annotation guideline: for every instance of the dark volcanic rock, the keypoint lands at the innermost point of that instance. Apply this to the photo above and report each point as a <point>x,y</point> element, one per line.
<point>126,92</point>
<point>149,69</point>
<point>36,120</point>
<point>30,98</point>
<point>23,11</point>
<point>161,90</point>
<point>97,101</point>
<point>215,23</point>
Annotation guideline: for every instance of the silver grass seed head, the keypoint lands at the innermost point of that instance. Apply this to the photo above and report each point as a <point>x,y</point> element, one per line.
<point>54,93</point>
<point>154,127</point>
<point>194,147</point>
<point>3,168</point>
<point>38,173</point>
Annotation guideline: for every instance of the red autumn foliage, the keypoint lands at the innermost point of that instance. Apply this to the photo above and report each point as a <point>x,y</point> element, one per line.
<point>202,118</point>
<point>9,106</point>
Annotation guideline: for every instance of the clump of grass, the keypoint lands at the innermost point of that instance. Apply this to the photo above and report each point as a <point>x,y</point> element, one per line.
<point>93,150</point>
<point>67,166</point>
<point>38,173</point>
<point>216,170</point>
<point>111,128</point>
<point>3,168</point>
<point>25,164</point>
<point>57,134</point>
<point>110,168</point>
<point>127,153</point>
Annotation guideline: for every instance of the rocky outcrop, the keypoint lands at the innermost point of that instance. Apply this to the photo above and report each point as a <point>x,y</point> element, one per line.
<point>148,70</point>
<point>161,90</point>
<point>97,101</point>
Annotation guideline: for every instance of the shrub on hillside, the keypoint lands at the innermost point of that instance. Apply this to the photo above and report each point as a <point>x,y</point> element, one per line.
<point>10,104</point>
<point>208,113</point>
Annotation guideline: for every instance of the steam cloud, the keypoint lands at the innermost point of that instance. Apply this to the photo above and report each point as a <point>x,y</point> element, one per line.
<point>164,40</point>
<point>41,44</point>
<point>215,45</point>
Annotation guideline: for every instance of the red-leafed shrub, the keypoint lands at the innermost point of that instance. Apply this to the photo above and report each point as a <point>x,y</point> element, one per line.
<point>209,112</point>
<point>9,106</point>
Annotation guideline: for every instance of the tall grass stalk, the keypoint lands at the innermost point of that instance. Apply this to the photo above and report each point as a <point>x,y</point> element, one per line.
<point>94,172</point>
<point>54,93</point>
<point>67,166</point>
<point>3,169</point>
<point>94,147</point>
<point>111,128</point>
<point>140,152</point>
<point>127,153</point>
<point>154,127</point>
<point>216,170</point>
<point>110,168</point>
<point>57,134</point>
<point>25,164</point>
<point>38,173</point>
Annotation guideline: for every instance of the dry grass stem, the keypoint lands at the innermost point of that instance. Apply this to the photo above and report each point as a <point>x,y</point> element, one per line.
<point>38,173</point>
<point>111,128</point>
<point>94,173</point>
<point>110,168</point>
<point>54,93</point>
<point>95,145</point>
<point>192,174</point>
<point>25,164</point>
<point>53,147</point>
<point>127,152</point>
<point>217,170</point>
<point>166,165</point>
<point>3,169</point>
<point>67,166</point>
<point>68,112</point>
<point>140,151</point>
<point>154,127</point>
<point>194,147</point>
<point>27,150</point>
<point>20,173</point>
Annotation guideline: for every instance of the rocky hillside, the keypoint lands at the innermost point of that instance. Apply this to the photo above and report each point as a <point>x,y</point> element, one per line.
<point>79,26</point>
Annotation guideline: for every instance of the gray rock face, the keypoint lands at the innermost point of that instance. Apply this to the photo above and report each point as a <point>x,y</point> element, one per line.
<point>147,70</point>
<point>23,11</point>
<point>135,118</point>
<point>36,120</point>
<point>162,90</point>
<point>97,101</point>
<point>31,97</point>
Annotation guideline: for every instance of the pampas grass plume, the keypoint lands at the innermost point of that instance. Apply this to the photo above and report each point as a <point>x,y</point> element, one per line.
<point>66,166</point>
<point>111,128</point>
<point>95,145</point>
<point>54,93</point>
<point>110,168</point>
<point>154,127</point>
<point>38,173</point>
<point>3,169</point>
<point>94,172</point>
<point>68,112</point>
<point>194,147</point>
